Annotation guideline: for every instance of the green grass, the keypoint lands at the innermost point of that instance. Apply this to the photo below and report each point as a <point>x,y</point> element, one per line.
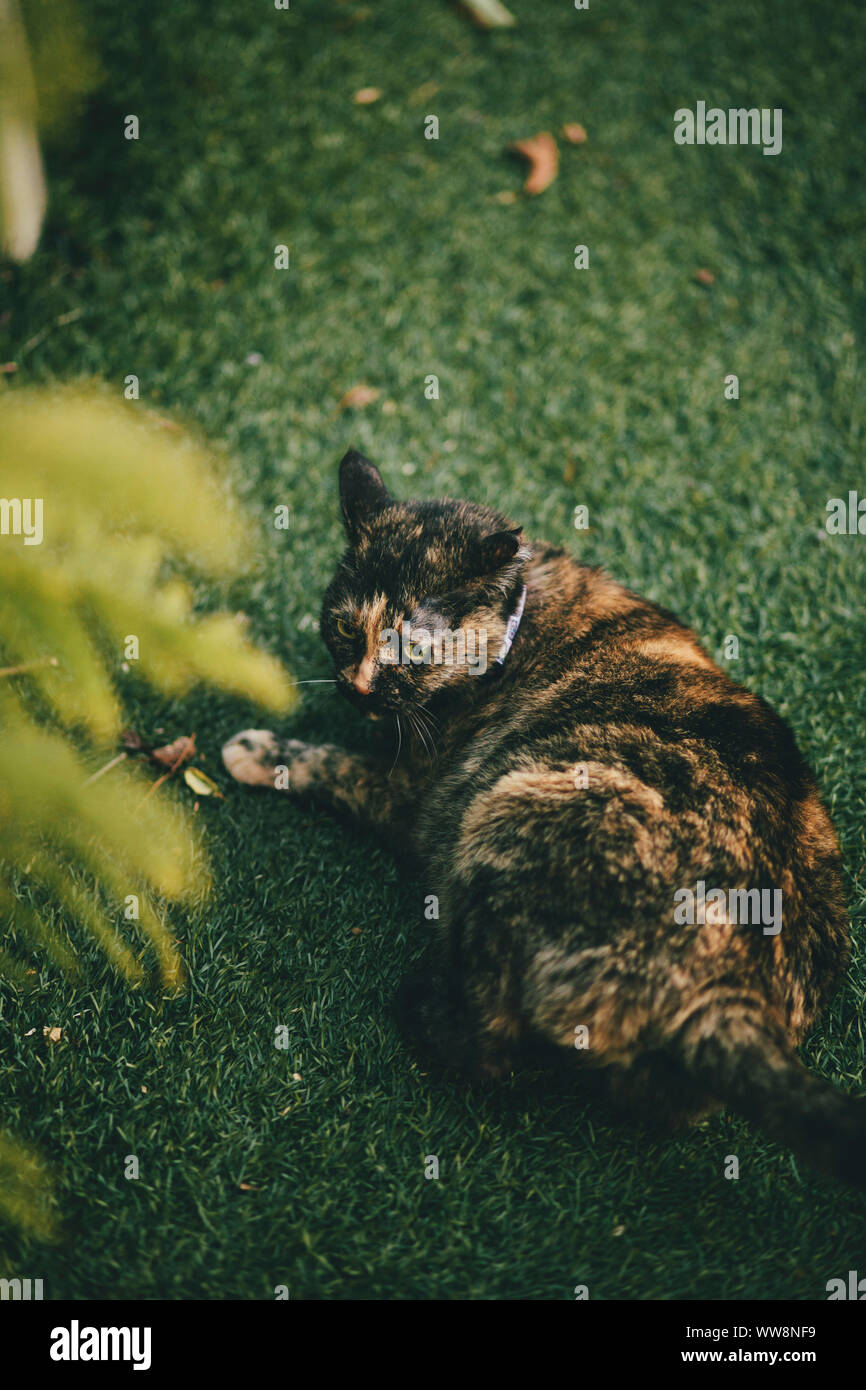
<point>558,387</point>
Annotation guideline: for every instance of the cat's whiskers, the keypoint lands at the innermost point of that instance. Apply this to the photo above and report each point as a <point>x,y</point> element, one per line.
<point>399,744</point>
<point>431,723</point>
<point>414,725</point>
<point>423,730</point>
<point>432,718</point>
<point>431,737</point>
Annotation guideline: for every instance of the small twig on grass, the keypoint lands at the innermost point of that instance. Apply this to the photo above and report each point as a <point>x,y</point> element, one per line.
<point>59,322</point>
<point>121,757</point>
<point>186,752</point>
<point>28,666</point>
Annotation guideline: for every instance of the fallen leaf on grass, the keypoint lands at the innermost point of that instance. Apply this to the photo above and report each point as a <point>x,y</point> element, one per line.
<point>704,276</point>
<point>490,14</point>
<point>53,1034</point>
<point>173,754</point>
<point>201,784</point>
<point>357,397</point>
<point>424,93</point>
<point>543,157</point>
<point>574,134</point>
<point>366,95</point>
<point>170,756</point>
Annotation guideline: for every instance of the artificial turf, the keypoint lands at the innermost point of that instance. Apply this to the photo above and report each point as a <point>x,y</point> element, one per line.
<point>558,387</point>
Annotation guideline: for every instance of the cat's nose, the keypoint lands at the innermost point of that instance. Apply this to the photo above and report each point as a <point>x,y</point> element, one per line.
<point>362,680</point>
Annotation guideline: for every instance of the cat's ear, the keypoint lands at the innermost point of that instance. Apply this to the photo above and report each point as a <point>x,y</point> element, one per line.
<point>362,492</point>
<point>498,549</point>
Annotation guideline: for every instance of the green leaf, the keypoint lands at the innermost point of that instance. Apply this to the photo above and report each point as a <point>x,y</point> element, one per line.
<point>201,784</point>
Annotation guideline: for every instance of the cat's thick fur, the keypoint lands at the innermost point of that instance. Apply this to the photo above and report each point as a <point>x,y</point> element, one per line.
<point>559,802</point>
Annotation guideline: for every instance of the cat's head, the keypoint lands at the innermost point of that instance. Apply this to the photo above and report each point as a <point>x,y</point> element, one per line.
<point>421,599</point>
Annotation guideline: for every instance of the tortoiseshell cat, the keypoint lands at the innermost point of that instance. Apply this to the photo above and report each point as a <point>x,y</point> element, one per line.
<point>602,766</point>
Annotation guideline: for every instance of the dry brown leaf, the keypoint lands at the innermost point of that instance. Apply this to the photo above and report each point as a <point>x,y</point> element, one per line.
<point>574,133</point>
<point>358,396</point>
<point>173,754</point>
<point>53,1034</point>
<point>425,92</point>
<point>366,95</point>
<point>170,757</point>
<point>543,156</point>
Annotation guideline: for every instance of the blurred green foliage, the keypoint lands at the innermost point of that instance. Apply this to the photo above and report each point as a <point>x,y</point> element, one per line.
<point>121,505</point>
<point>117,499</point>
<point>46,70</point>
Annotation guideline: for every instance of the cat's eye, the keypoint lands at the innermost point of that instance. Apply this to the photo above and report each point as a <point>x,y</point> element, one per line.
<point>418,651</point>
<point>345,629</point>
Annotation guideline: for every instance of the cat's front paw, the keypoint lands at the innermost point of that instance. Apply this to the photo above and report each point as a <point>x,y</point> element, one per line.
<point>259,758</point>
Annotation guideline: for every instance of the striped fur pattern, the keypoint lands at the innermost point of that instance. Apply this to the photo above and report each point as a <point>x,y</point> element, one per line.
<point>556,807</point>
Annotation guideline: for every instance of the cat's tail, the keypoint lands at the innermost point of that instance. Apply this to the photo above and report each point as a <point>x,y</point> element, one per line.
<point>744,1058</point>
